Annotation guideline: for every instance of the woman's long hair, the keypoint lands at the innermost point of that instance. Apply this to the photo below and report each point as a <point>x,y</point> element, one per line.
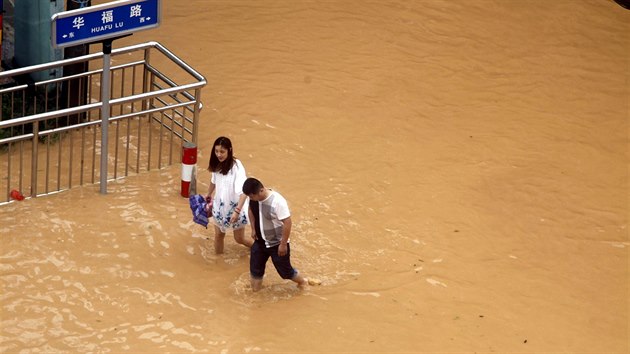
<point>222,167</point>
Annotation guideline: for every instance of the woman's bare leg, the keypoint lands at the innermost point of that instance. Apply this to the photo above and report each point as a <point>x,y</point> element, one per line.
<point>239,237</point>
<point>219,238</point>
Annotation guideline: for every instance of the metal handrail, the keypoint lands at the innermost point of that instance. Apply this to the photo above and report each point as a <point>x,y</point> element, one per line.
<point>172,103</point>
<point>84,108</point>
<point>89,57</point>
<point>65,78</point>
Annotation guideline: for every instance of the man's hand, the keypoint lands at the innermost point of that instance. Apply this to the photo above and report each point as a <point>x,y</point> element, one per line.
<point>282,249</point>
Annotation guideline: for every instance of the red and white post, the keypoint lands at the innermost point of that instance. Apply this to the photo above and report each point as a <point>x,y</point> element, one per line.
<point>189,161</point>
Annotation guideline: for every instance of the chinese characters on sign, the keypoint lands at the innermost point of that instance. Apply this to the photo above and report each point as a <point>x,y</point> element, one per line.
<point>104,21</point>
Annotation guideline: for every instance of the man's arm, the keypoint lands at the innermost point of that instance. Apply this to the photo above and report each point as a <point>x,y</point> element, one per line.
<point>286,231</point>
<point>252,223</point>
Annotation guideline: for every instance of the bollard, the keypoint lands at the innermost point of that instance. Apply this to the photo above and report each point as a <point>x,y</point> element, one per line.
<point>189,159</point>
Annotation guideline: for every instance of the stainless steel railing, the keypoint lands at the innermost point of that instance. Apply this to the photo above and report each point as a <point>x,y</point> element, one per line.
<point>48,144</point>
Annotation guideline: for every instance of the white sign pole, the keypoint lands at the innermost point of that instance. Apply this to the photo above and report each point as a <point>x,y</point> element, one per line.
<point>105,90</point>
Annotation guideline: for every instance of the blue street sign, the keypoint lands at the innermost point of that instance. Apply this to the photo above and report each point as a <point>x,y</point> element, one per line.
<point>104,21</point>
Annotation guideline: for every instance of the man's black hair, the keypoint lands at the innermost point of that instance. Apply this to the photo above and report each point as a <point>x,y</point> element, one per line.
<point>252,186</point>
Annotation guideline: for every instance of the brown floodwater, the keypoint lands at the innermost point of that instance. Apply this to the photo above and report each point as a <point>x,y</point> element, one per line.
<point>457,173</point>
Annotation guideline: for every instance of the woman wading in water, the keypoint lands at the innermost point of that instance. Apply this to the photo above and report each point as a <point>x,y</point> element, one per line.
<point>228,204</point>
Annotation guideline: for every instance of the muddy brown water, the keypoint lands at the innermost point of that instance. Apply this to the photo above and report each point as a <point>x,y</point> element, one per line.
<point>457,173</point>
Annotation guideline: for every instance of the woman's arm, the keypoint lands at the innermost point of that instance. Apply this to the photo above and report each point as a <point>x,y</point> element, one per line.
<point>239,206</point>
<point>240,178</point>
<point>211,188</point>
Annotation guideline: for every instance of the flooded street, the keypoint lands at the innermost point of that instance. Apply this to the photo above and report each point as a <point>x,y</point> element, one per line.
<point>457,174</point>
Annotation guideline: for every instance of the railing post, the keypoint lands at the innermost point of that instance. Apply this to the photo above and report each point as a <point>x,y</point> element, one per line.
<point>147,84</point>
<point>34,159</point>
<point>145,79</point>
<point>195,129</point>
